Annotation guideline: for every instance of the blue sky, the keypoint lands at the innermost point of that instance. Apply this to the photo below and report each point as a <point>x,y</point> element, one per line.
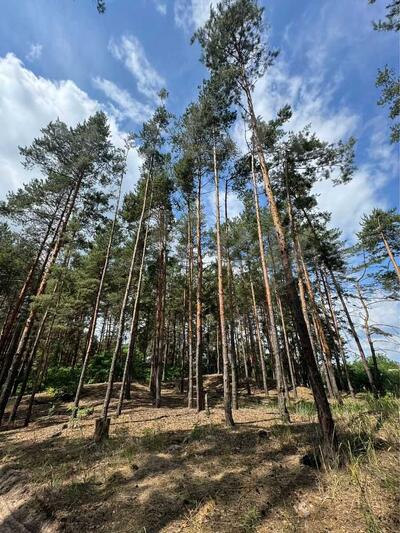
<point>59,58</point>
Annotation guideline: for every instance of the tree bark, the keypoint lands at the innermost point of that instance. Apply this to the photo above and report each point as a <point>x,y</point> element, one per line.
<point>321,401</point>
<point>391,256</point>
<point>199,311</point>
<point>271,325</point>
<point>190,310</point>
<point>338,337</point>
<point>367,329</point>
<point>133,326</point>
<point>355,335</point>
<point>221,301</point>
<point>93,322</point>
<point>8,384</point>
<point>121,323</point>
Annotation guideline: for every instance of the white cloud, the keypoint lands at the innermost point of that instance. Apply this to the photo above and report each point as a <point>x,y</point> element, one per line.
<point>348,202</point>
<point>191,14</point>
<point>35,52</point>
<point>311,100</point>
<point>28,103</point>
<point>130,51</point>
<point>128,107</point>
<point>160,6</point>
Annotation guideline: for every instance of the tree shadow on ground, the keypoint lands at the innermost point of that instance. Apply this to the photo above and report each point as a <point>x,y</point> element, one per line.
<point>165,477</point>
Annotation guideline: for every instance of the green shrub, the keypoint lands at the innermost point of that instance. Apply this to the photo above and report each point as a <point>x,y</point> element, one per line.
<point>389,371</point>
<point>61,381</point>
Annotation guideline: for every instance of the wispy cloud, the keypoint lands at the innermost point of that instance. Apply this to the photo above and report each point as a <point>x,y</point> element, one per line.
<point>127,107</point>
<point>191,14</point>
<point>35,52</point>
<point>130,51</point>
<point>160,6</point>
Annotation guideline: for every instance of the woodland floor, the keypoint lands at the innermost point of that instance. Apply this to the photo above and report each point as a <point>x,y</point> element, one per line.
<point>171,469</point>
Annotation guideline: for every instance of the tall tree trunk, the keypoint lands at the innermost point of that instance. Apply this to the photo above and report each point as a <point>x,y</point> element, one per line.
<point>355,335</point>
<point>190,309</point>
<point>160,312</point>
<point>367,329</point>
<point>28,367</point>
<point>221,303</point>
<point>13,315</point>
<point>338,337</point>
<point>259,342</point>
<point>8,384</point>
<point>102,424</point>
<point>133,326</point>
<point>231,351</point>
<point>287,348</point>
<point>183,344</point>
<point>93,321</point>
<point>199,310</point>
<point>271,325</point>
<point>321,401</point>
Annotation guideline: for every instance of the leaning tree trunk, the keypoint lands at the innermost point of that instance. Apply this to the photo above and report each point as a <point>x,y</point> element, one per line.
<point>391,256</point>
<point>283,412</point>
<point>199,312</point>
<point>8,384</point>
<point>221,303</point>
<point>13,315</point>
<point>93,322</point>
<point>28,367</point>
<point>367,329</point>
<point>355,334</point>
<point>321,401</point>
<point>338,337</point>
<point>103,423</point>
<point>132,332</point>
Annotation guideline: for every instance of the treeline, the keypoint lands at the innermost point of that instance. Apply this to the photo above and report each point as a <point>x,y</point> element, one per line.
<point>97,285</point>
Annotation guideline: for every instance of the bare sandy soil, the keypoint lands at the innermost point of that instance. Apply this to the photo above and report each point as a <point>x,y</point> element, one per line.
<point>171,469</point>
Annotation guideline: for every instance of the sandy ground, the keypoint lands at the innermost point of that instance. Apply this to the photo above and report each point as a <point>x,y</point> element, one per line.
<point>171,469</point>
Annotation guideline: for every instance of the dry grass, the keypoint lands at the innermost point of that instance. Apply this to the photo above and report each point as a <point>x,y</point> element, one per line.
<point>171,469</point>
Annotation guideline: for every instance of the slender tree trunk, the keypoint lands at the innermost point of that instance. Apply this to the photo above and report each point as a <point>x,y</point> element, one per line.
<point>242,348</point>
<point>287,348</point>
<point>8,384</point>
<point>183,345</point>
<point>160,312</point>
<point>391,256</point>
<point>102,425</point>
<point>93,321</point>
<point>199,302</point>
<point>271,326</point>
<point>221,301</point>
<point>231,351</point>
<point>339,338</point>
<point>259,342</point>
<point>133,326</point>
<point>367,329</point>
<point>28,367</point>
<point>13,315</point>
<point>355,335</point>
<point>321,401</point>
<point>190,309</point>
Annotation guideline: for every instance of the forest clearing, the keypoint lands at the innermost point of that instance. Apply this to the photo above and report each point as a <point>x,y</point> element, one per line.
<point>170,469</point>
<point>200,266</point>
